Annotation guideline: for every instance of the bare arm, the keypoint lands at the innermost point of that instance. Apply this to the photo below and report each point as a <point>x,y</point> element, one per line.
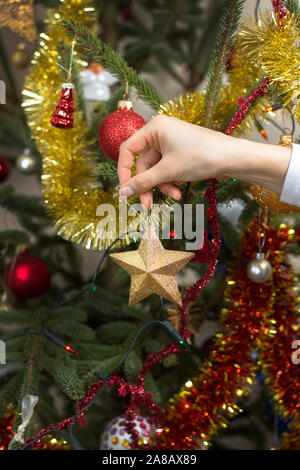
<point>173,152</point>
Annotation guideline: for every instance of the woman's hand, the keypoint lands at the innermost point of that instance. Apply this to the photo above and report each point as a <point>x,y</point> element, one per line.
<point>173,151</point>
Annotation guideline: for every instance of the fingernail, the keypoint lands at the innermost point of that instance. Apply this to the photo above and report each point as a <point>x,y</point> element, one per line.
<point>126,191</point>
<point>148,204</point>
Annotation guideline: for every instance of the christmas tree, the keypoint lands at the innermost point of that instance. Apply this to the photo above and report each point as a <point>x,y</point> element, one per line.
<point>80,365</point>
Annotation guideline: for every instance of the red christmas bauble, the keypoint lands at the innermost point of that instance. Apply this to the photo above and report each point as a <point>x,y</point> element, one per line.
<point>4,169</point>
<point>118,127</point>
<point>28,276</point>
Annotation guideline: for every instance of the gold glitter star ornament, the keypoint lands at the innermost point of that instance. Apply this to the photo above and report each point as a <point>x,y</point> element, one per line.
<point>152,268</point>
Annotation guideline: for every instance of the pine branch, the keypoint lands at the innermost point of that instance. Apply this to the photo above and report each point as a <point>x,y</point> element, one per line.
<point>229,189</point>
<point>20,203</point>
<point>228,26</point>
<point>294,7</point>
<point>65,376</point>
<point>247,214</point>
<point>13,238</point>
<point>107,170</point>
<point>229,233</point>
<point>31,374</point>
<point>97,50</point>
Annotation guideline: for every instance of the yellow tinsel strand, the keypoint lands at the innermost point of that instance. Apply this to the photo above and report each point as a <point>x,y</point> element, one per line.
<point>190,107</point>
<point>271,48</point>
<point>70,187</point>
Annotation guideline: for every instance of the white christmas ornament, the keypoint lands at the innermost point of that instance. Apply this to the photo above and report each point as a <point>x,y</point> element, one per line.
<point>259,270</point>
<point>96,85</point>
<point>115,436</point>
<point>26,163</point>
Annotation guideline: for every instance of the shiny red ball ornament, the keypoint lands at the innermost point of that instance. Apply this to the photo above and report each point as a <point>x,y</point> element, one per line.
<point>62,116</point>
<point>28,276</point>
<point>118,127</point>
<point>4,169</point>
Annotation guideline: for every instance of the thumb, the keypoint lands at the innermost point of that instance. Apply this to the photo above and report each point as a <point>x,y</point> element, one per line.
<point>146,180</point>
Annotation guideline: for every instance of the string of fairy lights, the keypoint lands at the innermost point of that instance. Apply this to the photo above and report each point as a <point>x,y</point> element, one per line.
<point>105,377</point>
<point>69,436</point>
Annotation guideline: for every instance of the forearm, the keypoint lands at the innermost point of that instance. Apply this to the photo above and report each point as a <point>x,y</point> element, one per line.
<point>253,162</point>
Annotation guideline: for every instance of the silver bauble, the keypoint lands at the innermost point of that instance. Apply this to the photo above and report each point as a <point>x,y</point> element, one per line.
<point>26,163</point>
<point>259,270</point>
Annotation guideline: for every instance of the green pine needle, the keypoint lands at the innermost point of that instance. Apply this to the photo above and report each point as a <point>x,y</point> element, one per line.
<point>227,28</point>
<point>294,7</point>
<point>99,51</point>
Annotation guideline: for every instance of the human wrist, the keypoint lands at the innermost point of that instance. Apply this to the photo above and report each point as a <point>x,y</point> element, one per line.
<point>258,163</point>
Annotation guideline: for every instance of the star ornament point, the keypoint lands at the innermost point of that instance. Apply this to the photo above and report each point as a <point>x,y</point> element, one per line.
<point>153,269</point>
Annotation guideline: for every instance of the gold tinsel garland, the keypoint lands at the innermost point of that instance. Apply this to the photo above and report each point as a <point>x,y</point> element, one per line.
<point>269,47</point>
<point>190,108</point>
<point>70,186</point>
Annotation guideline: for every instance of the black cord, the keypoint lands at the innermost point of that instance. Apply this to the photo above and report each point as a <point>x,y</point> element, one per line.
<point>256,10</point>
<point>53,431</point>
<point>22,333</point>
<point>293,123</point>
<point>105,377</point>
<point>61,304</point>
<point>275,124</point>
<point>108,250</point>
<point>64,302</point>
<point>162,305</point>
<point>75,441</point>
<point>50,335</point>
<point>152,322</point>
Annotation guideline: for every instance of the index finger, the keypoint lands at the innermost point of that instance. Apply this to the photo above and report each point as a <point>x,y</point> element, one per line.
<point>135,144</point>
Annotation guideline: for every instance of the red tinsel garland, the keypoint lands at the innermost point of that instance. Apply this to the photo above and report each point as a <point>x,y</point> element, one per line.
<point>281,328</point>
<point>244,106</point>
<point>206,402</point>
<point>279,8</point>
<point>137,394</point>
